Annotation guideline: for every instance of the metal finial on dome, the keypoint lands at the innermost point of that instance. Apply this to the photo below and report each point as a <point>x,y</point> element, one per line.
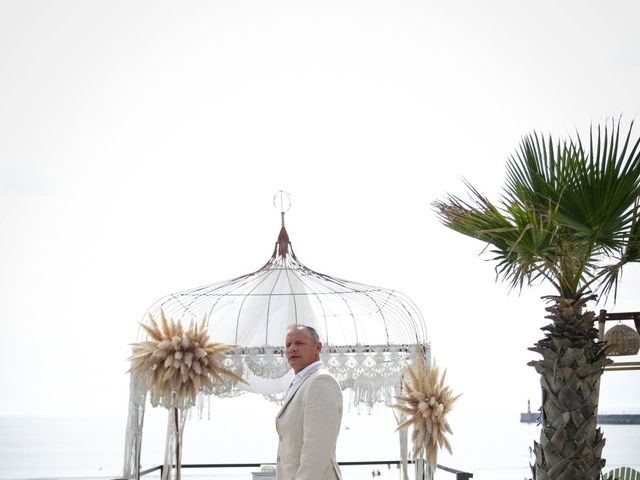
<point>282,202</point>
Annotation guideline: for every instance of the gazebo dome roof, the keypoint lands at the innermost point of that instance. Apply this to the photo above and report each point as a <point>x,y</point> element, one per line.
<point>367,332</point>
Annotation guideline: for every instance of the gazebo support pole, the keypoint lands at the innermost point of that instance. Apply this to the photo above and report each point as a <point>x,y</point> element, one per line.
<point>176,416</point>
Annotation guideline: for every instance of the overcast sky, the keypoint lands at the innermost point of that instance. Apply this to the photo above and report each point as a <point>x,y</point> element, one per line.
<point>141,144</point>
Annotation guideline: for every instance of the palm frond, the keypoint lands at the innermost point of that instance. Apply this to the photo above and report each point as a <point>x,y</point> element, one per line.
<point>522,237</point>
<point>568,213</point>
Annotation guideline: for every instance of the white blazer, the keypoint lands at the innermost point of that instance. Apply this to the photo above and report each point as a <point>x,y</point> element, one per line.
<point>308,424</point>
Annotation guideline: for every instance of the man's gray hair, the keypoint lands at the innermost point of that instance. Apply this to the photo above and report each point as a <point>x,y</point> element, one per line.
<point>312,331</point>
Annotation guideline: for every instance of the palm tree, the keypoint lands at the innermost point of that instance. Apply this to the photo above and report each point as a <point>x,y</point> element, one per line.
<point>569,215</point>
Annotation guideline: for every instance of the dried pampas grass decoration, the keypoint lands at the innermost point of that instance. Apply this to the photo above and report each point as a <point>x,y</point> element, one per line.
<point>426,400</point>
<point>180,362</point>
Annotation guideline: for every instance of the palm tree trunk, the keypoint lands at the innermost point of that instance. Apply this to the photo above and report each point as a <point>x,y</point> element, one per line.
<point>573,360</point>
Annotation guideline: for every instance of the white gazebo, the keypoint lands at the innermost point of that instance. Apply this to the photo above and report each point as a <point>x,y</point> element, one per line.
<point>368,333</point>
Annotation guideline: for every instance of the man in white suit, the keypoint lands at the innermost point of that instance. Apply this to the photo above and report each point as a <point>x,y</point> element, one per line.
<point>309,420</point>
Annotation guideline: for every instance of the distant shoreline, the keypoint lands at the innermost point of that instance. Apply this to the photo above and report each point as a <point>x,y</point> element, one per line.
<point>603,419</point>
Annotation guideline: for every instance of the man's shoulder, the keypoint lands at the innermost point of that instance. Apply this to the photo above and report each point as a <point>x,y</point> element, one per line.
<point>322,375</point>
<point>321,372</point>
<point>323,385</point>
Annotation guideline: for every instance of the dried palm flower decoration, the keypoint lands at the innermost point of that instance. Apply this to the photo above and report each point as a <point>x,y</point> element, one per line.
<point>180,362</point>
<point>427,401</point>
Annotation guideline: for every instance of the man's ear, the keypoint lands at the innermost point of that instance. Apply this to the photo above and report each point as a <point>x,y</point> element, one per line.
<point>318,347</point>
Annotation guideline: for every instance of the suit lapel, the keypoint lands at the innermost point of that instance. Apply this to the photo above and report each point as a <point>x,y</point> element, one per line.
<point>295,389</point>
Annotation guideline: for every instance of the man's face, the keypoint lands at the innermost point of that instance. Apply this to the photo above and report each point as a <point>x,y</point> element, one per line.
<point>301,349</point>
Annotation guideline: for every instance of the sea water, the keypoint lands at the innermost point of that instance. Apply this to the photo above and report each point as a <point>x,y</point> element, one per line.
<point>492,446</point>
